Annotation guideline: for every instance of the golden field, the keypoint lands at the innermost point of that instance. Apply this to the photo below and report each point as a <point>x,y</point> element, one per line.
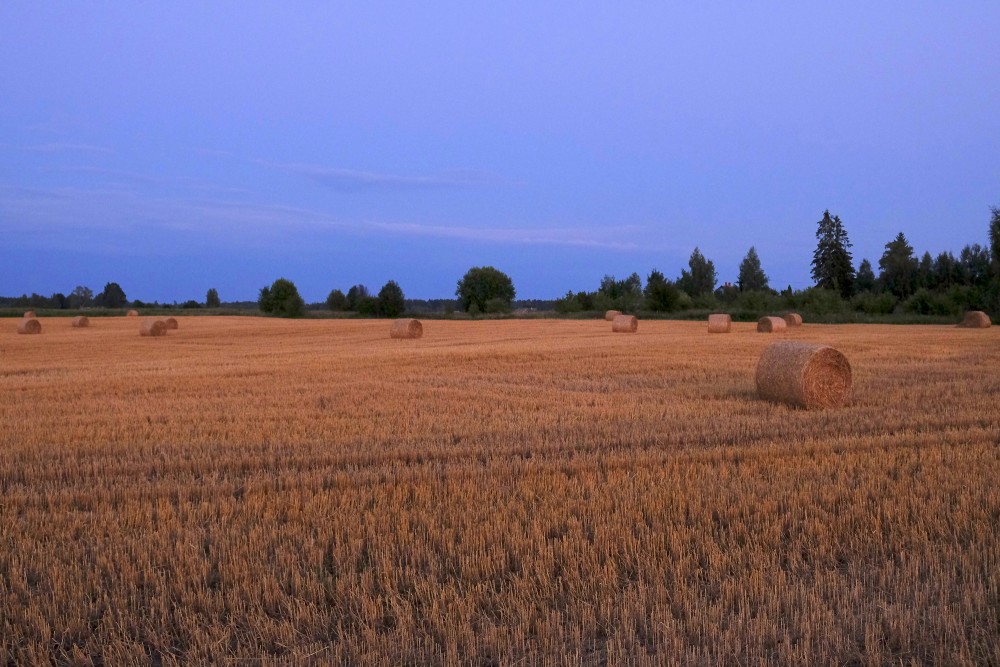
<point>522,492</point>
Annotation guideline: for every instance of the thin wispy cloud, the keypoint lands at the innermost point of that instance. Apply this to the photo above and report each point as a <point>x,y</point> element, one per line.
<point>352,180</point>
<point>118,174</point>
<point>67,148</point>
<point>605,237</point>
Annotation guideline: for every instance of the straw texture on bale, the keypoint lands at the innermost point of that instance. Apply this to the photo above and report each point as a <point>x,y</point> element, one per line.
<point>30,313</point>
<point>153,328</point>
<point>29,325</point>
<point>406,328</point>
<point>975,319</point>
<point>805,375</point>
<point>80,321</point>
<point>793,319</point>
<point>771,324</point>
<point>171,323</point>
<point>133,313</point>
<point>625,324</point>
<point>719,323</point>
<point>611,315</point>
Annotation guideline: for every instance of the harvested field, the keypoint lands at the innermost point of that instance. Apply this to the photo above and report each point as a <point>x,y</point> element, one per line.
<point>259,491</point>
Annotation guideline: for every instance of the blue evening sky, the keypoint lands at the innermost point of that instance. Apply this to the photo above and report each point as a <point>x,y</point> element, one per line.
<point>173,147</point>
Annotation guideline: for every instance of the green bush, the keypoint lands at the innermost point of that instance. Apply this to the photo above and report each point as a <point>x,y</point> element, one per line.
<point>282,299</point>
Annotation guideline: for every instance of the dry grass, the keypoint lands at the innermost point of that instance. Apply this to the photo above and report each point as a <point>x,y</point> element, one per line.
<point>497,493</point>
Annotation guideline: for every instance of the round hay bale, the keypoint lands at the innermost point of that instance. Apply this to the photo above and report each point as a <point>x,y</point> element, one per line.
<point>29,314</point>
<point>29,325</point>
<point>406,328</point>
<point>793,319</point>
<point>610,315</point>
<point>132,313</point>
<point>771,325</point>
<point>153,328</point>
<point>806,375</point>
<point>625,324</point>
<point>975,319</point>
<point>719,323</point>
<point>80,321</point>
<point>171,323</point>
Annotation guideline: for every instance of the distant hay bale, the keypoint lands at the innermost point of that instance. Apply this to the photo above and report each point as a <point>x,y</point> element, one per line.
<point>625,324</point>
<point>771,324</point>
<point>29,314</point>
<point>171,323</point>
<point>132,313</point>
<point>719,323</point>
<point>806,375</point>
<point>29,325</point>
<point>611,315</point>
<point>975,319</point>
<point>793,319</point>
<point>153,328</point>
<point>80,321</point>
<point>406,328</point>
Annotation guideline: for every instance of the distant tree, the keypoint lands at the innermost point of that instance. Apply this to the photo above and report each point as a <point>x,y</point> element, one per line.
<point>925,272</point>
<point>336,301</point>
<point>832,266</point>
<point>752,276</point>
<point>390,300</point>
<point>701,277</point>
<point>190,304</point>
<point>975,261</point>
<point>367,306</point>
<point>898,268</point>
<point>995,244</point>
<point>80,297</point>
<point>865,280</point>
<point>212,298</point>
<point>282,299</point>
<point>113,296</point>
<point>661,295</point>
<point>946,271</point>
<point>355,295</point>
<point>481,284</point>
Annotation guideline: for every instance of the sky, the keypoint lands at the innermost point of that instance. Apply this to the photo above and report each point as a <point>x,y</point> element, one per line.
<point>177,147</point>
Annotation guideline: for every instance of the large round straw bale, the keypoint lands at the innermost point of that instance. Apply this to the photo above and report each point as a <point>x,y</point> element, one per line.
<point>793,319</point>
<point>153,328</point>
<point>771,324</point>
<point>132,313</point>
<point>29,314</point>
<point>719,323</point>
<point>29,325</point>
<point>171,323</point>
<point>806,375</point>
<point>610,315</point>
<point>406,328</point>
<point>625,324</point>
<point>80,321</point>
<point>975,319</point>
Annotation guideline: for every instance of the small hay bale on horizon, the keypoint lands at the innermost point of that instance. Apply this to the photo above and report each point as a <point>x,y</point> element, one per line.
<point>610,315</point>
<point>771,325</point>
<point>80,321</point>
<point>29,325</point>
<point>719,323</point>
<point>406,328</point>
<point>171,323</point>
<point>805,375</point>
<point>132,313</point>
<point>29,314</point>
<point>793,319</point>
<point>625,324</point>
<point>975,319</point>
<point>153,328</point>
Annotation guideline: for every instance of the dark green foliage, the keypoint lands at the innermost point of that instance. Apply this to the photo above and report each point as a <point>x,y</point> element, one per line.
<point>282,299</point>
<point>865,280</point>
<point>662,296</point>
<point>995,244</point>
<point>898,268</point>
<point>367,306</point>
<point>113,296</point>
<point>832,266</point>
<point>624,295</point>
<point>390,300</point>
<point>874,304</point>
<point>752,276</point>
<point>212,298</point>
<point>496,306</point>
<point>336,301</point>
<point>355,295</point>
<point>80,297</point>
<point>481,284</point>
<point>190,304</point>
<point>700,279</point>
